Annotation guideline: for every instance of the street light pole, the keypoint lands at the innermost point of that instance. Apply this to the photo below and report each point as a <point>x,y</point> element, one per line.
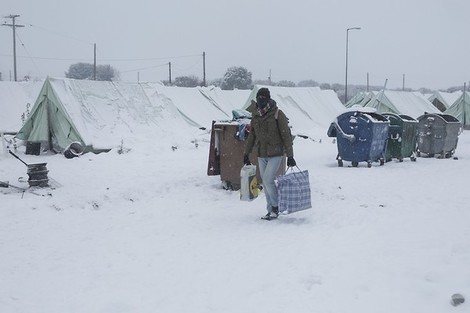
<point>346,80</point>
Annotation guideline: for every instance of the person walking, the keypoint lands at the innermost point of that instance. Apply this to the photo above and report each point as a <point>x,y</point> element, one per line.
<point>270,135</point>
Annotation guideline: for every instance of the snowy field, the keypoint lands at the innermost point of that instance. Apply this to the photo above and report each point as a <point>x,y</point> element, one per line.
<point>148,231</point>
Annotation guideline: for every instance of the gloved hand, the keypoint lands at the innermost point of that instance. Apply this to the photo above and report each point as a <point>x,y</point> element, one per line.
<point>291,162</point>
<point>246,160</point>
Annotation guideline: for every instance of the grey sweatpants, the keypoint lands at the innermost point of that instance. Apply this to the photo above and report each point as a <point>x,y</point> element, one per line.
<point>268,168</point>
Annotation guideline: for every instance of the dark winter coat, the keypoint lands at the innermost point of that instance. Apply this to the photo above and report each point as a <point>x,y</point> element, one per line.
<point>268,135</point>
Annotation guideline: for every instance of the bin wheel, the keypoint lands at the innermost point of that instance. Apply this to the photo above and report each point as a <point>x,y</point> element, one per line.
<point>226,185</point>
<point>340,163</point>
<point>355,164</point>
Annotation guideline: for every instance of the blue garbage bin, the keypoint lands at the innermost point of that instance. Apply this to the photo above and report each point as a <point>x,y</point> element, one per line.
<point>360,137</point>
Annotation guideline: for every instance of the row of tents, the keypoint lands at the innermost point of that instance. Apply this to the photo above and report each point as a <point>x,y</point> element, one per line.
<point>100,115</point>
<point>414,104</point>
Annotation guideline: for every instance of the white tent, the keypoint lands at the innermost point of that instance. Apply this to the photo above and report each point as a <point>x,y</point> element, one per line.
<point>187,99</point>
<point>227,100</point>
<point>16,99</point>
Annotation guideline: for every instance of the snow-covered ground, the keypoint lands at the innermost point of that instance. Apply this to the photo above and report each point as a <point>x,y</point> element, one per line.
<point>148,231</point>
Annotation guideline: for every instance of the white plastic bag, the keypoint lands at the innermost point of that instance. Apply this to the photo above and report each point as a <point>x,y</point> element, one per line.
<point>249,189</point>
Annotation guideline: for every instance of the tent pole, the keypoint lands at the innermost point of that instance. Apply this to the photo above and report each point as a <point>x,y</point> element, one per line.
<point>49,124</point>
<point>383,91</point>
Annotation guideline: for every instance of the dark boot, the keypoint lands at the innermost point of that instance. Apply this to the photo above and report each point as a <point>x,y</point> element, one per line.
<point>269,216</point>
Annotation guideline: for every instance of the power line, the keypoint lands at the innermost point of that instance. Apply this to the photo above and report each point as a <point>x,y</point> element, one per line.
<point>104,59</point>
<point>144,68</point>
<point>26,50</point>
<point>197,62</point>
<point>47,58</point>
<point>152,59</point>
<point>56,33</point>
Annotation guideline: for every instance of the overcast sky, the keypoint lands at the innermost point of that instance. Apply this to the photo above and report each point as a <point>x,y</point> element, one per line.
<point>426,41</point>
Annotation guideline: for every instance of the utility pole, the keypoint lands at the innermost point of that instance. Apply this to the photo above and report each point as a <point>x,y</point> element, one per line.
<point>14,26</point>
<point>269,77</point>
<point>403,82</point>
<point>94,61</point>
<point>204,69</point>
<point>367,89</point>
<point>169,73</point>
<point>464,92</point>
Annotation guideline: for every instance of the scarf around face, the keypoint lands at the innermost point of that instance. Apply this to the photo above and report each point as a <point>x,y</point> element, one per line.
<point>269,106</point>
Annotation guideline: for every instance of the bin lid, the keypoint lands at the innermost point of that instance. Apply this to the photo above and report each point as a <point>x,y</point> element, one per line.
<point>372,116</point>
<point>408,118</point>
<point>443,117</point>
<point>399,118</point>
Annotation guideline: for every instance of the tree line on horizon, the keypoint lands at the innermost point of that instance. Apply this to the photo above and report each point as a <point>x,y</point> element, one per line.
<point>236,77</point>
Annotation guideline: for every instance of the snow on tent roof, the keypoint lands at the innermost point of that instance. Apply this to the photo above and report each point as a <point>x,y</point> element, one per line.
<point>309,109</point>
<point>16,98</point>
<point>98,114</point>
<point>361,99</point>
<point>195,107</point>
<point>401,102</point>
<point>227,100</point>
<point>460,109</point>
<point>101,114</point>
<point>443,100</point>
<point>358,97</point>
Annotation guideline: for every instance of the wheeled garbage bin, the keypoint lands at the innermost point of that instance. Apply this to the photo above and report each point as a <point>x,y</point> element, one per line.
<point>402,137</point>
<point>360,137</point>
<point>438,134</point>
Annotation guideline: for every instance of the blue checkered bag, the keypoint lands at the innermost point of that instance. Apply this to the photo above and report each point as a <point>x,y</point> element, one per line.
<point>294,192</point>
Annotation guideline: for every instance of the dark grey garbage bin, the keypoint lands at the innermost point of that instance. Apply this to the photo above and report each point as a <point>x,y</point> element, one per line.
<point>438,134</point>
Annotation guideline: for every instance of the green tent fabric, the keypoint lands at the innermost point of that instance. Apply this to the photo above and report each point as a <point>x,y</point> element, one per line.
<point>382,104</point>
<point>356,99</point>
<point>401,102</point>
<point>443,100</point>
<point>461,109</point>
<point>49,122</point>
<point>361,99</point>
